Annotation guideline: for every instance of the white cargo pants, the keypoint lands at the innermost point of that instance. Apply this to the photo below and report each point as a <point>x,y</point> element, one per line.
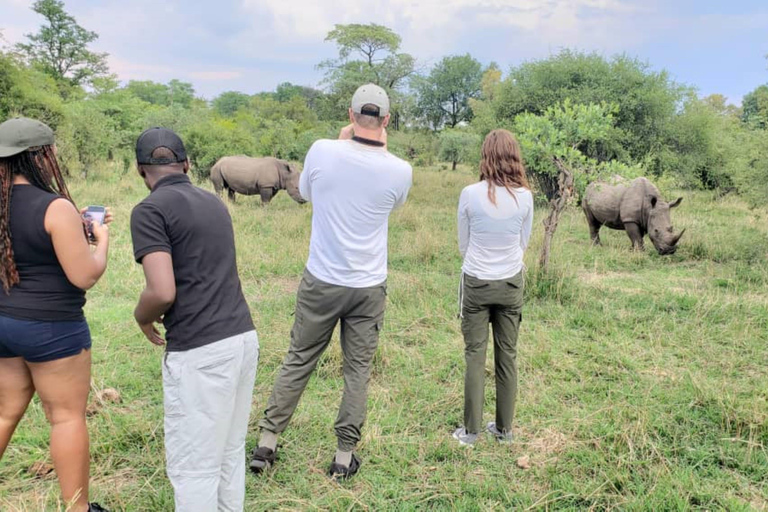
<point>208,394</point>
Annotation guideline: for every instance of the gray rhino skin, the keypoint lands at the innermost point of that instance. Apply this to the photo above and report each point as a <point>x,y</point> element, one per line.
<point>634,206</point>
<point>248,176</point>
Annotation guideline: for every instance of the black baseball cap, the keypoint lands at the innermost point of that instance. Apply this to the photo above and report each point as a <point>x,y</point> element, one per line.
<point>155,138</point>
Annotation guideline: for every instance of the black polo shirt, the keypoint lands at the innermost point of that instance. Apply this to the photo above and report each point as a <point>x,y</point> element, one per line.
<point>194,226</point>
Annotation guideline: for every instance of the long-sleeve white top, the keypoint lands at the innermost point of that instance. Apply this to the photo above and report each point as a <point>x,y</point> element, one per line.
<point>493,238</point>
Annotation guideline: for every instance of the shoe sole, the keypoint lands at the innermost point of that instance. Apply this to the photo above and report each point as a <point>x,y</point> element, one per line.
<point>463,443</point>
<point>260,466</point>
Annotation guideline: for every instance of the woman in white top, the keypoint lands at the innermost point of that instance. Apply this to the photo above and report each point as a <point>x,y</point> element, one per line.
<point>495,220</point>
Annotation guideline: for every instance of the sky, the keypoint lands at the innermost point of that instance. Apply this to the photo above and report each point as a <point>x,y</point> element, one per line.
<point>717,46</point>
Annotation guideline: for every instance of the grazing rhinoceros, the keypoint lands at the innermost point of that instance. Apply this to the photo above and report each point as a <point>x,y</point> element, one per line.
<point>635,206</point>
<point>249,176</point>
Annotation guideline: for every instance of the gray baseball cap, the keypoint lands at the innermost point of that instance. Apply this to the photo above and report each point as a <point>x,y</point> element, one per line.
<point>370,94</point>
<point>19,134</point>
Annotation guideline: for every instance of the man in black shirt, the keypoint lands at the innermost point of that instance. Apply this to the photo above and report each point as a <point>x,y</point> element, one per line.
<point>183,238</point>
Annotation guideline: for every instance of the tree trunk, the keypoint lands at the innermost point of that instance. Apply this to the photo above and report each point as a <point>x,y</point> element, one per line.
<point>557,205</point>
<point>454,165</point>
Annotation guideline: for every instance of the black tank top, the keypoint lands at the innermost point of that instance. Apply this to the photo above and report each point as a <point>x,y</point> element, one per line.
<point>44,293</point>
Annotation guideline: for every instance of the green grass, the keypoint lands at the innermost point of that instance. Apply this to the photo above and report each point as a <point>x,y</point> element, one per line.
<point>642,378</point>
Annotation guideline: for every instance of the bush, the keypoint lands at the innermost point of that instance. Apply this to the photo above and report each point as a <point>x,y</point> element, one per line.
<point>459,146</point>
<point>207,142</point>
<point>418,147</point>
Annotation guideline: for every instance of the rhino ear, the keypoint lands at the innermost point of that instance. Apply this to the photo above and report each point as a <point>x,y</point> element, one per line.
<point>676,203</point>
<point>654,200</point>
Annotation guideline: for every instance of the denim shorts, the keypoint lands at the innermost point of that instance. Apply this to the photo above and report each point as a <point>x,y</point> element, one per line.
<point>40,342</point>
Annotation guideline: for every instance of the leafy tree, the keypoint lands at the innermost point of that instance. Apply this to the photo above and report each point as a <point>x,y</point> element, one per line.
<point>209,140</point>
<point>443,96</point>
<point>417,146</point>
<point>149,91</point>
<point>647,101</point>
<point>85,139</point>
<point>175,92</point>
<point>180,93</point>
<point>378,60</point>
<point>60,48</point>
<point>700,146</point>
<point>755,108</point>
<point>551,145</point>
<point>748,166</point>
<point>28,92</point>
<point>459,146</point>
<point>228,103</point>
<point>484,118</point>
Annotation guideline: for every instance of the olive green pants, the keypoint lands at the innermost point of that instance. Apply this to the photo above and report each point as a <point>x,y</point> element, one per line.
<point>319,307</point>
<point>499,303</point>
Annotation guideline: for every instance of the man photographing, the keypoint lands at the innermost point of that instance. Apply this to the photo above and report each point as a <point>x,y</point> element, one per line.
<point>183,237</point>
<point>354,183</point>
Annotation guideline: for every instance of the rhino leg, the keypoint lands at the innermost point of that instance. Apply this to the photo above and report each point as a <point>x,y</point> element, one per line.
<point>636,235</point>
<point>231,194</point>
<point>594,227</point>
<point>266,195</point>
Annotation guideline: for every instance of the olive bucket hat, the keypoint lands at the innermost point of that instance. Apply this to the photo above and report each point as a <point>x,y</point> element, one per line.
<point>20,134</point>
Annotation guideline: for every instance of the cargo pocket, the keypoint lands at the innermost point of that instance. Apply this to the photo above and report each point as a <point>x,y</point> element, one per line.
<point>172,372</point>
<point>217,368</point>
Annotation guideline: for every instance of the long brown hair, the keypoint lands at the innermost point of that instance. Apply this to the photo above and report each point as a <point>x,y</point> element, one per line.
<point>502,164</point>
<point>40,168</point>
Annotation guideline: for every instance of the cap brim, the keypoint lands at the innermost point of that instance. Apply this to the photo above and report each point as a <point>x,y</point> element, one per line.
<point>6,151</point>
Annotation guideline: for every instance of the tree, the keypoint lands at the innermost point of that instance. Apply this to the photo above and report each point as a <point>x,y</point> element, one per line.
<point>755,108</point>
<point>28,92</point>
<point>376,48</point>
<point>458,146</point>
<point>227,103</point>
<point>647,100</point>
<point>175,92</point>
<point>551,145</point>
<point>443,96</point>
<point>484,118</point>
<point>60,48</point>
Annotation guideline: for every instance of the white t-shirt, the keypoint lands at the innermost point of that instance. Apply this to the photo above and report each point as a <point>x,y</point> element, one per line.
<point>353,188</point>
<point>493,238</point>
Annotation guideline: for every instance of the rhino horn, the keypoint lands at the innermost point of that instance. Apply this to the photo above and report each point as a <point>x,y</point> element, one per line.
<point>677,238</point>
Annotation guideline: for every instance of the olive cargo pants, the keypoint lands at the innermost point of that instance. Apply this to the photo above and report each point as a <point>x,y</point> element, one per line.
<point>319,307</point>
<point>499,303</point>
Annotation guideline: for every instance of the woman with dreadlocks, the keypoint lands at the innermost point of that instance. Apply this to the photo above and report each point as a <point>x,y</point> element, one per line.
<point>46,265</point>
<point>495,220</point>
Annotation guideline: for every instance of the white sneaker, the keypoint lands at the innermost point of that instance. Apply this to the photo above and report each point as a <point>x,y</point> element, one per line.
<point>463,437</point>
<point>501,437</point>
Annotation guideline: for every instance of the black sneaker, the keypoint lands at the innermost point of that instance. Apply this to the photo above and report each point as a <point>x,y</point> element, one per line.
<point>262,459</point>
<point>339,472</point>
<point>95,507</point>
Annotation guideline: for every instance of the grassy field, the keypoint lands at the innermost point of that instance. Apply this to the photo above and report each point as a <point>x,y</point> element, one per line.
<point>643,380</point>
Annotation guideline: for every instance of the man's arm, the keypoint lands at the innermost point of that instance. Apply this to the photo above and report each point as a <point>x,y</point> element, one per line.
<point>305,180</point>
<point>158,295</point>
<point>152,248</point>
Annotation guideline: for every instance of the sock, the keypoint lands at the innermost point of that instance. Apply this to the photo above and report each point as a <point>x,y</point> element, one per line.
<point>268,439</point>
<point>343,458</point>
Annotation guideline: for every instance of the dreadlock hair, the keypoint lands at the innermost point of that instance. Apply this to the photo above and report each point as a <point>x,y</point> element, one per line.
<point>502,164</point>
<point>40,168</point>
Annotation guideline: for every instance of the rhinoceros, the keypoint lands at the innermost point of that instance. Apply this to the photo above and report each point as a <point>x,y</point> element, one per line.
<point>633,206</point>
<point>264,176</point>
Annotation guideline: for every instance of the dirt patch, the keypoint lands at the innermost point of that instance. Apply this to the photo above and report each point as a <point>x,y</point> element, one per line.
<point>41,470</point>
<point>542,447</point>
<point>101,399</point>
